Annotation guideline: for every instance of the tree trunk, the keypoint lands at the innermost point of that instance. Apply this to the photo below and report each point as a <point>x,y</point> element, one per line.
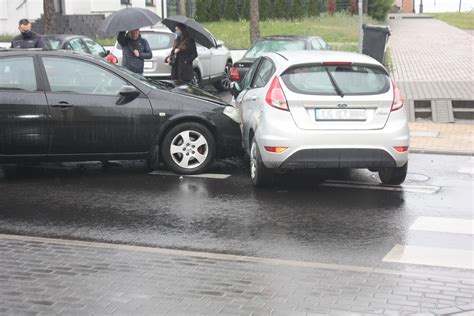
<point>366,6</point>
<point>182,7</point>
<point>254,21</point>
<point>49,13</point>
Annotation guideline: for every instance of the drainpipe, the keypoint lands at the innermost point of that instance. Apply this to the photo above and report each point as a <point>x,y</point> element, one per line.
<point>361,32</point>
<point>460,5</point>
<point>421,6</point>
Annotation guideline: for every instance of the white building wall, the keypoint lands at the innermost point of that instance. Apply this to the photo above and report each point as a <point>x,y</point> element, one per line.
<point>444,5</point>
<point>11,11</point>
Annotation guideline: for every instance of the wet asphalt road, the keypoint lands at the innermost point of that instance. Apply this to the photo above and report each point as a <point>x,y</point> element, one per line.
<point>299,219</point>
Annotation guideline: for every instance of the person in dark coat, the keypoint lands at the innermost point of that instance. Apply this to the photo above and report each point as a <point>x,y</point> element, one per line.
<point>27,38</point>
<point>182,55</point>
<point>135,50</point>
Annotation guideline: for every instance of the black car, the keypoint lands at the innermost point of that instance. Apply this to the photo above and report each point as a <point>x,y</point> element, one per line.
<point>66,106</point>
<point>76,43</point>
<point>274,43</point>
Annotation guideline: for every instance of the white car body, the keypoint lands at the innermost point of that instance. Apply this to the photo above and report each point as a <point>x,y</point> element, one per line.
<point>317,130</point>
<point>211,66</point>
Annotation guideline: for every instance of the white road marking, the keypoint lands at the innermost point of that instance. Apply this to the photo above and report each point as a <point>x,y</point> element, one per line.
<point>428,189</point>
<point>444,225</point>
<point>202,175</point>
<point>441,257</point>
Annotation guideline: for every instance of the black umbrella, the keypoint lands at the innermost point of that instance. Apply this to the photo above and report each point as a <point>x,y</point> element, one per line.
<point>194,29</point>
<point>128,19</point>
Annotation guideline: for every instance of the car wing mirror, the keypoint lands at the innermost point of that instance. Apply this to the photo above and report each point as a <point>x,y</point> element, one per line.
<point>127,90</point>
<point>127,94</point>
<point>235,89</point>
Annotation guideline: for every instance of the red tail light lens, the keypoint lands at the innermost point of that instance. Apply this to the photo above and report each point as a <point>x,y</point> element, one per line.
<point>274,149</point>
<point>112,59</point>
<point>401,149</point>
<point>234,73</point>
<point>397,98</point>
<point>275,96</point>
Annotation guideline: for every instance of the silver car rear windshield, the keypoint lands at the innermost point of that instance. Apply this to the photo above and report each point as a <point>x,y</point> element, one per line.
<point>156,40</point>
<point>336,80</point>
<point>268,46</point>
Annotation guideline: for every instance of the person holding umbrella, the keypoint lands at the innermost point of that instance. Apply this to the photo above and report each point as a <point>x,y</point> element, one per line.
<point>182,55</point>
<point>135,50</point>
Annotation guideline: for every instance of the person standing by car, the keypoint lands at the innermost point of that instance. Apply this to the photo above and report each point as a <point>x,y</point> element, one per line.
<point>182,55</point>
<point>135,50</point>
<point>27,38</point>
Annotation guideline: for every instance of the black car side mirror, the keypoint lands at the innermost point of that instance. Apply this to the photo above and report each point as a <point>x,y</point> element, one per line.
<point>104,54</point>
<point>127,90</point>
<point>127,94</point>
<point>235,89</point>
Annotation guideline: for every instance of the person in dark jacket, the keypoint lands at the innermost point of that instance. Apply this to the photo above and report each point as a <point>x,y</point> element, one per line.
<point>27,38</point>
<point>135,49</point>
<point>182,55</point>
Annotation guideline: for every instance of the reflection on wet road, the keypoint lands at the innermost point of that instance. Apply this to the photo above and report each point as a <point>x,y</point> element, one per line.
<point>331,217</point>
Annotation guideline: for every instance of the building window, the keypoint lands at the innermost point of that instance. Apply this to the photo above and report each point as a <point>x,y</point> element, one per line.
<point>150,3</point>
<point>125,2</point>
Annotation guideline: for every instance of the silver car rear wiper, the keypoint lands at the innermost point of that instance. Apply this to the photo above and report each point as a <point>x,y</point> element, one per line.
<point>334,83</point>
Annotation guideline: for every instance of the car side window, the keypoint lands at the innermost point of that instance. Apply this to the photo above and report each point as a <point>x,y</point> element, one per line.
<point>70,75</point>
<point>94,48</point>
<point>77,45</point>
<point>249,76</point>
<point>17,73</point>
<point>316,44</point>
<point>264,73</point>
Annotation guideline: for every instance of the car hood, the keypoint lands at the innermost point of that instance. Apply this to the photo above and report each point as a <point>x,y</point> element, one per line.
<point>185,89</point>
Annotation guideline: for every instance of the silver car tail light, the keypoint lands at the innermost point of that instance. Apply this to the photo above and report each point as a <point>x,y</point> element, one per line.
<point>397,97</point>
<point>275,96</point>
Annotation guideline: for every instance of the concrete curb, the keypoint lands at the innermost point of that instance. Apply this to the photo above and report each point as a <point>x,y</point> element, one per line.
<point>439,152</point>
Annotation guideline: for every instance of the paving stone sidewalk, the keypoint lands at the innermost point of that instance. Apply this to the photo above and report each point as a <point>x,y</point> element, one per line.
<point>50,276</point>
<point>442,138</point>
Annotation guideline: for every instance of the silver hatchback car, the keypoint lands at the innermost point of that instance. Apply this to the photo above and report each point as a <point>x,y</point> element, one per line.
<point>322,109</point>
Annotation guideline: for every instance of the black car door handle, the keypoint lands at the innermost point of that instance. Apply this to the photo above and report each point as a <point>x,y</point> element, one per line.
<point>62,105</point>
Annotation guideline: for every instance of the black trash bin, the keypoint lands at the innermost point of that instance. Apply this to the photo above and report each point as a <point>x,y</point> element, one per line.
<point>375,41</point>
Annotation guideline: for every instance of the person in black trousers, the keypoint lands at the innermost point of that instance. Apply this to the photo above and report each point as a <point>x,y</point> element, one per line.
<point>182,55</point>
<point>135,49</point>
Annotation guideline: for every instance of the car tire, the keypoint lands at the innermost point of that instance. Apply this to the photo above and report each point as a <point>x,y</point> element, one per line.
<point>261,176</point>
<point>196,80</point>
<point>188,148</point>
<point>153,160</point>
<point>393,175</point>
<point>224,83</point>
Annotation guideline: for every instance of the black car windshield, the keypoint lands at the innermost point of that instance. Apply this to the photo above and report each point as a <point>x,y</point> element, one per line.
<point>52,42</point>
<point>336,80</point>
<point>268,46</point>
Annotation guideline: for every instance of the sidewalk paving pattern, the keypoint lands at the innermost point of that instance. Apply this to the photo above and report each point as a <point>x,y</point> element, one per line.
<point>50,276</point>
<point>433,61</point>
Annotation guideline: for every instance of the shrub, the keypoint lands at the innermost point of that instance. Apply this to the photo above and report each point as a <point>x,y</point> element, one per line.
<point>215,13</point>
<point>378,9</point>
<point>331,7</point>
<point>231,10</point>
<point>246,10</point>
<point>280,9</point>
<point>202,11</point>
<point>264,9</point>
<point>314,8</point>
<point>297,9</point>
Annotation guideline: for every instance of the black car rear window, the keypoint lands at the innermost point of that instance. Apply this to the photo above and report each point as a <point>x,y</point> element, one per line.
<point>349,79</point>
<point>268,46</point>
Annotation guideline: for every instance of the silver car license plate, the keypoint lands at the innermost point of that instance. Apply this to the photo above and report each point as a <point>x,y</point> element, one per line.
<point>341,115</point>
<point>148,65</point>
